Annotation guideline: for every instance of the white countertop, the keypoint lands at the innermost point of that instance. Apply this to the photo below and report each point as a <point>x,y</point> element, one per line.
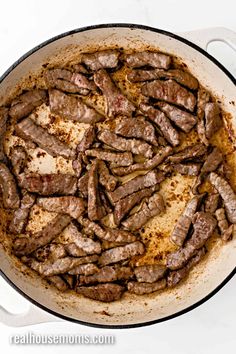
<point>211,327</point>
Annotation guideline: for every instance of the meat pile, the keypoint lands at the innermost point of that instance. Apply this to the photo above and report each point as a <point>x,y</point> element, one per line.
<point>142,143</point>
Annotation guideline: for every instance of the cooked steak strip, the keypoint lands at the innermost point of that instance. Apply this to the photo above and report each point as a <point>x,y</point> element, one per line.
<point>70,205</point>
<point>149,273</point>
<point>213,160</point>
<point>211,202</point>
<point>67,81</point>
<point>28,130</point>
<point>203,98</point>
<point>213,120</point>
<point>154,206</point>
<point>105,202</point>
<point>119,158</point>
<point>18,157</point>
<point>229,233</point>
<point>3,127</point>
<point>51,251</point>
<point>48,184</point>
<point>83,242</point>
<point>121,253</point>
<point>105,178</point>
<point>227,194</point>
<point>8,187</point>
<point>96,210</point>
<point>188,153</point>
<point>137,127</point>
<point>222,221</point>
<point>87,140</point>
<point>133,145</point>
<point>116,102</point>
<point>197,183</point>
<point>184,120</point>
<point>20,215</point>
<point>140,182</point>
<point>182,77</point>
<point>190,169</point>
<point>101,59</point>
<point>102,292</point>
<point>72,108</point>
<point>84,269</point>
<point>58,282</point>
<point>74,250</point>
<point>162,122</point>
<point>146,288</point>
<point>24,104</point>
<point>77,165</point>
<point>204,225</point>
<point>106,275</point>
<point>154,59</point>
<point>25,245</point>
<point>160,156</point>
<point>83,185</point>
<point>171,92</point>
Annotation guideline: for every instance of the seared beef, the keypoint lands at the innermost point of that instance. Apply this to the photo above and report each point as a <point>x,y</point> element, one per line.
<point>213,120</point>
<point>115,255</point>
<point>51,251</point>
<point>74,251</point>
<point>3,127</point>
<point>87,140</point>
<point>102,59</point>
<point>188,153</point>
<point>18,157</point>
<point>82,241</point>
<point>154,59</point>
<point>107,274</point>
<point>203,98</point>
<point>118,158</point>
<point>149,273</point>
<point>8,187</point>
<point>102,292</point>
<point>70,205</point>
<point>77,165</point>
<point>58,282</point>
<point>222,221</point>
<point>84,269</point>
<point>105,178</point>
<point>83,185</point>
<point>20,215</point>
<point>213,160</point>
<point>190,168</point>
<point>211,202</point>
<point>146,288</point>
<point>171,92</point>
<point>96,210</point>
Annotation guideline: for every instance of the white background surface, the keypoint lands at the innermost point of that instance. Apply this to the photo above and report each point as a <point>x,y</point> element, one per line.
<point>24,24</point>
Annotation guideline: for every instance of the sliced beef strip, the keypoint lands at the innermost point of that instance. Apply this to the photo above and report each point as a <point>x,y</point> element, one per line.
<point>154,206</point>
<point>222,220</point>
<point>3,127</point>
<point>197,183</point>
<point>74,251</point>
<point>170,91</point>
<point>117,254</point>
<point>204,225</point>
<point>123,206</point>
<point>25,245</point>
<point>133,145</point>
<point>146,288</point>
<point>211,202</point>
<point>188,153</point>
<point>10,195</point>
<point>28,130</point>
<point>182,77</point>
<point>162,122</point>
<point>87,140</point>
<point>105,202</point>
<point>82,241</point>
<point>116,102</point>
<point>84,269</point>
<point>70,205</point>
<point>96,210</point>
<point>67,81</point>
<point>106,179</point>
<point>149,273</point>
<point>160,156</point>
<point>77,165</point>
<point>213,160</point>
<point>51,251</point>
<point>184,120</point>
<point>107,274</point>
<point>137,127</point>
<point>80,68</point>
<point>102,292</point>
<point>101,59</point>
<point>190,168</point>
<point>83,185</point>
<point>24,104</point>
<point>140,182</point>
<point>203,98</point>
<point>48,184</point>
<point>229,233</point>
<point>20,215</point>
<point>18,157</point>
<point>154,59</point>
<point>58,282</point>
<point>213,120</point>
<point>72,108</point>
<point>118,158</point>
<point>226,193</point>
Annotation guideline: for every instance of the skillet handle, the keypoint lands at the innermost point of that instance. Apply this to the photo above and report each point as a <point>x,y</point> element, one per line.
<point>205,36</point>
<point>31,317</point>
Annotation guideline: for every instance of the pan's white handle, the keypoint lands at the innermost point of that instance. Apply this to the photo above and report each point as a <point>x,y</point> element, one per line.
<point>205,36</point>
<point>33,316</point>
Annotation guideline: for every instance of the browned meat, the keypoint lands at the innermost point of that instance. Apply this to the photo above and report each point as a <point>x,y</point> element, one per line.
<point>3,127</point>
<point>204,225</point>
<point>106,275</point>
<point>77,165</point>
<point>48,184</point>
<point>20,215</point>
<point>87,140</point>
<point>227,194</point>
<point>80,68</point>
<point>58,282</point>
<point>105,178</point>
<point>154,59</point>
<point>225,170</point>
<point>213,160</point>
<point>137,127</point>
<point>171,92</point>
<point>133,145</point>
<point>119,158</point>
<point>123,206</point>
<point>182,77</point>
<point>102,59</point>
<point>83,185</point>
<point>74,250</point>
<point>197,183</point>
<point>51,251</point>
<point>146,288</point>
<point>84,269</point>
<point>190,169</point>
<point>162,122</point>
<point>72,108</point>
<point>229,233</point>
<point>116,102</point>
<point>24,104</point>
<point>140,182</point>
<point>8,187</point>
<point>91,227</point>
<point>149,273</point>
<point>18,157</point>
<point>154,206</point>
<point>184,120</point>
<point>213,120</point>
<point>188,153</point>
<point>102,292</point>
<point>70,205</point>
<point>28,130</point>
<point>67,81</point>
<point>25,245</point>
<point>82,241</point>
<point>105,202</point>
<point>121,253</point>
<point>160,156</point>
<point>211,202</point>
<point>96,211</point>
<point>203,98</point>
<point>222,221</point>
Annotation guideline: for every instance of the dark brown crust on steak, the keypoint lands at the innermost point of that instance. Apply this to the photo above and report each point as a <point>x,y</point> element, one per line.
<point>70,205</point>
<point>102,59</point>
<point>121,253</point>
<point>154,59</point>
<point>20,215</point>
<point>102,292</point>
<point>10,195</point>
